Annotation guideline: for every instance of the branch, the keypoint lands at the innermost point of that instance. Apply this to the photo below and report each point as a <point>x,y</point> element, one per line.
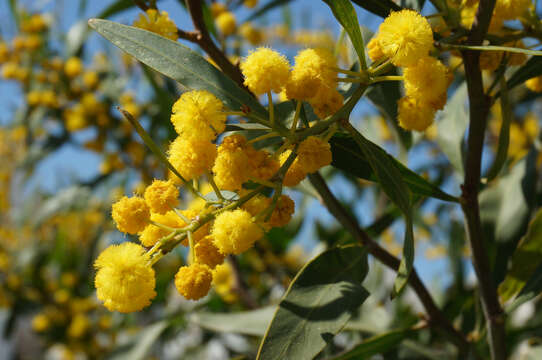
<point>437,319</point>
<point>479,104</point>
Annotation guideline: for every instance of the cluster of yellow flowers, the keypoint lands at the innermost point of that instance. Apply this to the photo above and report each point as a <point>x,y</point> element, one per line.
<point>157,22</point>
<point>406,39</point>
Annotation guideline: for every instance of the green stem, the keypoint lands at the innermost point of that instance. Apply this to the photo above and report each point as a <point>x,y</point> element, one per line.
<point>271,110</point>
<point>386,78</point>
<point>296,116</point>
<point>263,137</point>
<point>211,180</point>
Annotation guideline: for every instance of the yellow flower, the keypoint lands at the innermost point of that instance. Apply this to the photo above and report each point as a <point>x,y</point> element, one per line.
<point>312,69</point>
<point>255,205</point>
<point>295,172</point>
<point>534,84</point>
<point>326,102</point>
<point>78,326</point>
<point>414,114</point>
<point>194,281</point>
<point>405,36</point>
<point>158,23</point>
<point>282,214</point>
<point>251,34</point>
<point>161,196</point>
<point>191,157</point>
<point>152,233</point>
<point>73,67</point>
<point>207,253</point>
<point>224,282</point>
<point>265,70</point>
<point>427,81</point>
<point>90,79</point>
<point>374,50</point>
<point>490,60</point>
<point>131,214</point>
<point>234,231</point>
<point>217,8</point>
<point>40,323</point>
<point>225,22</point>
<point>313,153</point>
<point>262,164</point>
<point>511,9</point>
<point>124,279</point>
<point>232,166</point>
<point>198,115</point>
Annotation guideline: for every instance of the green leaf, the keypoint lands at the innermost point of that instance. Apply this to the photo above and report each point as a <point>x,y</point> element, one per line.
<point>347,157</point>
<point>266,8</point>
<point>345,13</point>
<point>317,305</point>
<point>451,126</point>
<point>376,345</point>
<point>508,49</point>
<point>228,195</point>
<point>378,7</point>
<point>413,4</point>
<point>532,288</point>
<point>145,340</point>
<point>532,68</point>
<point>178,62</point>
<point>525,260</point>
<point>253,322</point>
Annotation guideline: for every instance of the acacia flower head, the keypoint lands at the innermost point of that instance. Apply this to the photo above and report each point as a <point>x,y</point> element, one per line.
<point>194,281</point>
<point>131,214</point>
<point>157,22</point>
<point>265,70</point>
<point>234,232</point>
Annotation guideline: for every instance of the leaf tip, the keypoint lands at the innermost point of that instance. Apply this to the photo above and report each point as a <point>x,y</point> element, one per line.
<point>92,22</point>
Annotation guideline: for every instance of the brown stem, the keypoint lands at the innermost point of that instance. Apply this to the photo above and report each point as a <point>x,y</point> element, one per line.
<point>437,319</point>
<point>479,104</point>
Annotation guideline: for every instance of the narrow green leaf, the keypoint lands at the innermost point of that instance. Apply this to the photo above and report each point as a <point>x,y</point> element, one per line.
<point>266,8</point>
<point>504,134</point>
<point>178,62</point>
<point>319,302</point>
<point>253,322</point>
<point>378,7</point>
<point>532,68</point>
<point>413,4</point>
<point>525,260</point>
<point>347,157</point>
<point>451,126</point>
<point>497,48</point>
<point>228,195</point>
<point>532,288</point>
<point>142,346</point>
<point>345,13</point>
<point>377,345</point>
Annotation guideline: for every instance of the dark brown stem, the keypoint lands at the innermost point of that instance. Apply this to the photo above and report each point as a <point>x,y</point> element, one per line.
<point>437,320</point>
<point>479,104</point>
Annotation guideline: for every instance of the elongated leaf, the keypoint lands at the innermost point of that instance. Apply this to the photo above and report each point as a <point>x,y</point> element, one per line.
<point>347,157</point>
<point>266,8</point>
<point>451,126</point>
<point>145,341</point>
<point>379,7</point>
<point>525,260</point>
<point>413,4</point>
<point>532,68</point>
<point>253,322</point>
<point>532,288</point>
<point>177,62</point>
<point>317,305</point>
<point>376,345</point>
<point>345,13</point>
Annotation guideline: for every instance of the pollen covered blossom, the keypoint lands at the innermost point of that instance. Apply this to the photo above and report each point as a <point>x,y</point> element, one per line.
<point>234,232</point>
<point>225,22</point>
<point>295,172</point>
<point>232,166</point>
<point>207,253</point>
<point>157,22</point>
<point>313,68</point>
<point>415,114</point>
<point>191,157</point>
<point>131,214</point>
<point>194,281</point>
<point>326,102</point>
<point>124,279</point>
<point>161,196</point>
<point>534,84</point>
<point>152,233</point>
<point>427,81</point>
<point>313,153</point>
<point>282,214</point>
<point>265,70</point>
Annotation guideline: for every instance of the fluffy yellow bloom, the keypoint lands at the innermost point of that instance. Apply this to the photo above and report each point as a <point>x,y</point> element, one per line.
<point>490,60</point>
<point>78,326</point>
<point>262,164</point>
<point>414,114</point>
<point>313,153</point>
<point>131,214</point>
<point>207,253</point>
<point>159,23</point>
<point>234,232</point>
<point>251,34</point>
<point>232,166</point>
<point>326,102</point>
<point>73,67</point>
<point>405,36</point>
<point>282,214</point>
<point>511,9</point>
<point>226,23</point>
<point>427,81</point>
<point>256,205</point>
<point>534,84</point>
<point>198,115</point>
<point>218,8</point>
<point>161,196</point>
<point>224,282</point>
<point>90,79</point>
<point>194,281</point>
<point>124,278</point>
<point>374,50</point>
<point>265,70</point>
<point>313,67</point>
<point>295,172</point>
<point>191,157</point>
<point>152,233</point>
<point>40,323</point>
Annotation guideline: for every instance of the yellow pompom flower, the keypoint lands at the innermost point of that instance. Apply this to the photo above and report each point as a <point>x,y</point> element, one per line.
<point>131,214</point>
<point>251,34</point>
<point>295,172</point>
<point>256,205</point>
<point>282,214</point>
<point>326,102</point>
<point>313,153</point>
<point>40,323</point>
<point>234,232</point>
<point>415,114</point>
<point>194,281</point>
<point>152,233</point>
<point>405,36</point>
<point>226,23</point>
<point>157,22</point>
<point>91,79</point>
<point>161,196</point>
<point>313,67</point>
<point>534,84</point>
<point>511,9</point>
<point>232,166</point>
<point>191,157</point>
<point>374,50</point>
<point>427,81</point>
<point>224,282</point>
<point>124,278</point>
<point>262,164</point>
<point>198,115</point>
<point>265,70</point>
<point>78,326</point>
<point>73,67</point>
<point>207,253</point>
